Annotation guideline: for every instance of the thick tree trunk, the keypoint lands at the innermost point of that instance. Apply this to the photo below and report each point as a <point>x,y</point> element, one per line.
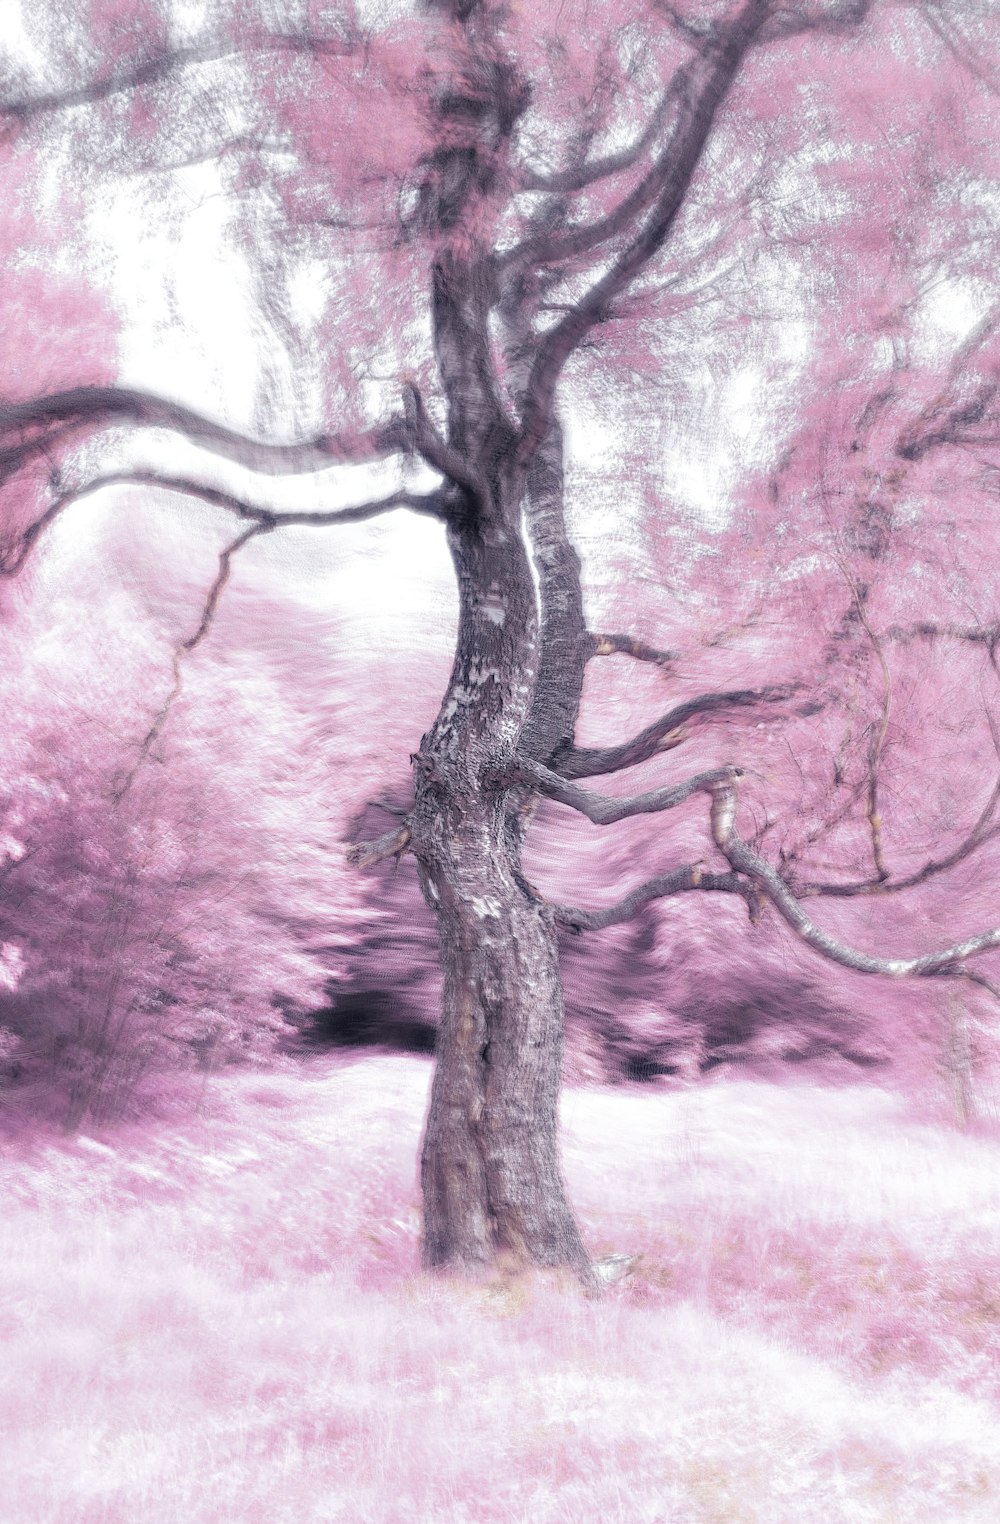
<point>490,1169</point>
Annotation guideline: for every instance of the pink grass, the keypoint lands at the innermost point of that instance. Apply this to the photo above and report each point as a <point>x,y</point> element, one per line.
<point>224,1320</point>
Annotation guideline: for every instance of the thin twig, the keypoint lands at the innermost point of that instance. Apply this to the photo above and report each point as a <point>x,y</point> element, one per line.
<point>186,647</point>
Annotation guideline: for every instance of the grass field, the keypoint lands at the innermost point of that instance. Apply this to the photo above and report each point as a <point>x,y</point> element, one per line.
<point>221,1320</point>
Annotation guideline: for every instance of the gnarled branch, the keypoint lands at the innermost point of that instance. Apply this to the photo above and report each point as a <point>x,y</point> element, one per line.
<point>31,429</point>
<point>601,809</point>
<point>665,733</point>
<point>693,876</point>
<point>433,505</point>
<point>744,860</point>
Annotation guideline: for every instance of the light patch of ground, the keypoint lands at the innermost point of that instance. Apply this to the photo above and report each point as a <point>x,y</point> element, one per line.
<point>224,1319</point>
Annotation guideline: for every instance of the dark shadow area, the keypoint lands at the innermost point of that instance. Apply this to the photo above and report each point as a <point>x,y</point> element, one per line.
<point>370,1019</point>
<point>640,1005</point>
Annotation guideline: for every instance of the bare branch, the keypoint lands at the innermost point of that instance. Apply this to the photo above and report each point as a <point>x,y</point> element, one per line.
<point>676,169</point>
<point>392,844</point>
<point>431,447</point>
<point>601,809</point>
<point>160,65</point>
<point>433,505</point>
<point>821,830</point>
<point>581,238</point>
<point>186,647</point>
<point>743,859</point>
<point>985,829</point>
<point>987,635</point>
<point>30,429</point>
<point>964,401</point>
<point>679,881</point>
<point>625,645</point>
<point>962,51</point>
<point>665,733</point>
<point>975,977</point>
<point>568,180</point>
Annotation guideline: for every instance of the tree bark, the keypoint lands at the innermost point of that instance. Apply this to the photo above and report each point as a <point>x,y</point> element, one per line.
<point>489,1166</point>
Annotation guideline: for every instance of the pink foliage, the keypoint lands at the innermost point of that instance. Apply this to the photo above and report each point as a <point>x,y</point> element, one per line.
<point>60,321</point>
<point>161,917</point>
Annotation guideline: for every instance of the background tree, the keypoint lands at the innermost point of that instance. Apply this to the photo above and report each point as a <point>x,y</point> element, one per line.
<point>563,202</point>
<point>155,914</point>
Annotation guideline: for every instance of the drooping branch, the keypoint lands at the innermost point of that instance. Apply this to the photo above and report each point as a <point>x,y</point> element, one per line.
<point>665,733</point>
<point>986,828</point>
<point>13,557</point>
<point>31,429</point>
<point>743,859</point>
<point>186,647</point>
<point>693,876</point>
<point>754,880</point>
<point>975,977</point>
<point>600,808</point>
<point>822,829</point>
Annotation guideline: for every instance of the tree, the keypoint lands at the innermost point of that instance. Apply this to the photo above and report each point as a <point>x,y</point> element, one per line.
<point>555,196</point>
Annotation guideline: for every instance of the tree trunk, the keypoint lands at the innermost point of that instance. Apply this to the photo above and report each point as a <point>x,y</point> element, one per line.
<point>489,1168</point>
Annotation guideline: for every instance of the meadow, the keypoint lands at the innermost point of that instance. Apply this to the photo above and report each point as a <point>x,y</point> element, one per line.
<point>220,1317</point>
